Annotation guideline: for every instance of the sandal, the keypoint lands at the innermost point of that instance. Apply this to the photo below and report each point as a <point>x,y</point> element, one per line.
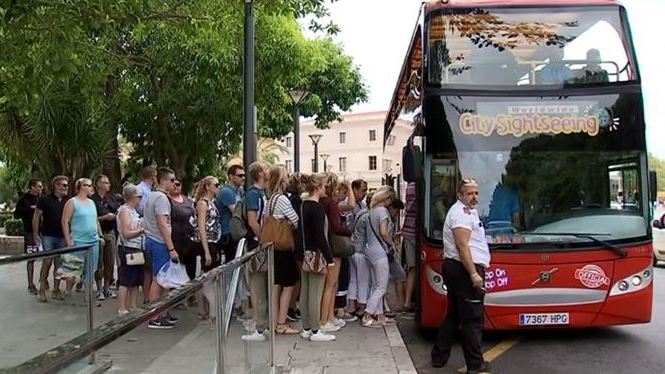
<point>285,329</point>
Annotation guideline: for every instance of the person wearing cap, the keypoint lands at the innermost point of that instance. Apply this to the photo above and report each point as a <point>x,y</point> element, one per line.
<point>466,256</point>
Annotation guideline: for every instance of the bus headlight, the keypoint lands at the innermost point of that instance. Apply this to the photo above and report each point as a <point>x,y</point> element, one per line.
<point>633,282</point>
<point>623,285</point>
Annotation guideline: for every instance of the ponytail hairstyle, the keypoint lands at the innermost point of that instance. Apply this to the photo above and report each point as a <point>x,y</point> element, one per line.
<point>314,182</point>
<point>202,187</point>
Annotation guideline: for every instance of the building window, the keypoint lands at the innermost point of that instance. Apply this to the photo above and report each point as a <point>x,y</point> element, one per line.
<point>342,164</point>
<point>372,135</point>
<point>372,162</point>
<point>289,165</point>
<point>289,141</point>
<point>391,140</point>
<point>387,165</point>
<point>342,138</point>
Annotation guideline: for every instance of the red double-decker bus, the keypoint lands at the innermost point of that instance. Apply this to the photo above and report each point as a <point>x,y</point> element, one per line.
<point>541,102</point>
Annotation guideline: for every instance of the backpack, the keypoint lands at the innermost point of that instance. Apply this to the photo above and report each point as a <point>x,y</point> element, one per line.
<point>238,222</point>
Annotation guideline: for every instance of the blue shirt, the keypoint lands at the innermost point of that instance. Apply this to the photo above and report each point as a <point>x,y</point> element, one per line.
<point>505,203</point>
<point>229,195</point>
<point>255,201</point>
<point>83,223</point>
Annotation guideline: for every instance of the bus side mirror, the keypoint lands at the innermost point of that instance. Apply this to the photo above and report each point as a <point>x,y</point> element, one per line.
<point>653,186</point>
<point>412,164</point>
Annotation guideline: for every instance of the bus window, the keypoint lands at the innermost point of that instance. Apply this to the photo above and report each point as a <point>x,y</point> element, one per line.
<point>514,47</point>
<point>624,187</point>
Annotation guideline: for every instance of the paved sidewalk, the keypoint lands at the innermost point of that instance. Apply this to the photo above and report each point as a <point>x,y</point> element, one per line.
<point>31,328</point>
<point>356,350</point>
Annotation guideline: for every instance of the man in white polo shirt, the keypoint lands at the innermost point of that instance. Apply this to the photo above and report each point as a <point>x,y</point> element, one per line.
<point>466,257</point>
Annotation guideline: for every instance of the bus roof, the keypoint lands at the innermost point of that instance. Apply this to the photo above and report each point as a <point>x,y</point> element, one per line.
<point>438,4</point>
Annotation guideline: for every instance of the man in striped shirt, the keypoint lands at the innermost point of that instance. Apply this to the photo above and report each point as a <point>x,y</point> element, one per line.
<point>409,243</point>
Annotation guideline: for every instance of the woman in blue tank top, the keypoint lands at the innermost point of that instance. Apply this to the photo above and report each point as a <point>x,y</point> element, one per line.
<point>80,228</point>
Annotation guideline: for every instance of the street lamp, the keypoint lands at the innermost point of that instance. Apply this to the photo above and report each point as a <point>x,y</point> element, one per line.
<point>297,96</point>
<point>325,156</point>
<point>315,140</point>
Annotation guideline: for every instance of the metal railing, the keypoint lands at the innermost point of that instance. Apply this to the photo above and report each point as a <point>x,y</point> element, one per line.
<point>89,274</point>
<point>88,343</point>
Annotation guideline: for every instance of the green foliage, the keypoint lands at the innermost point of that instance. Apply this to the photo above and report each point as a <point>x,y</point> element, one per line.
<point>658,164</point>
<point>163,75</point>
<point>4,217</point>
<point>13,227</point>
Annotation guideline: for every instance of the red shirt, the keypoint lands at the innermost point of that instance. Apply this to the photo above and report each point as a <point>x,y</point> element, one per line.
<point>334,217</point>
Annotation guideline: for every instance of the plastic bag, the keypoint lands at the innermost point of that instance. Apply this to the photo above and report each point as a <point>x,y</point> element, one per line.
<point>172,275</point>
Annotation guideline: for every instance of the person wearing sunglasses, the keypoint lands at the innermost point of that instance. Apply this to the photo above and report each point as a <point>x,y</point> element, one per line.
<point>158,244</point>
<point>80,228</point>
<point>466,256</point>
<point>226,201</point>
<point>47,232</point>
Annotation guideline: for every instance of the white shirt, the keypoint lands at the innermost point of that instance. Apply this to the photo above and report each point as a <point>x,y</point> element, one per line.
<point>459,216</point>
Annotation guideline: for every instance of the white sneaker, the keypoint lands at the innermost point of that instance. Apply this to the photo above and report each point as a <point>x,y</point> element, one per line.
<point>339,322</point>
<point>321,336</point>
<point>306,334</point>
<point>330,327</point>
<point>254,337</point>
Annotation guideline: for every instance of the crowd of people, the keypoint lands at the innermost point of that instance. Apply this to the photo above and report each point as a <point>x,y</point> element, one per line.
<point>335,246</point>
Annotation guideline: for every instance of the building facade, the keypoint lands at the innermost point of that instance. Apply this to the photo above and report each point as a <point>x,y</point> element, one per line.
<point>352,148</point>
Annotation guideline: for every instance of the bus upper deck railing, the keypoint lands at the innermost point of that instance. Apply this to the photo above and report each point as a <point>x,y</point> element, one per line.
<point>88,343</point>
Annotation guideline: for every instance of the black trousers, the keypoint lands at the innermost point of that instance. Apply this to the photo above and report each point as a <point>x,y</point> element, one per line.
<point>229,247</point>
<point>466,308</point>
<point>343,288</point>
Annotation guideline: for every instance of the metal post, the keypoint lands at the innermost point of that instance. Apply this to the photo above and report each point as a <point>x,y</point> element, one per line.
<point>220,325</point>
<point>316,157</point>
<point>89,276</point>
<point>249,140</point>
<point>271,311</point>
<point>296,139</point>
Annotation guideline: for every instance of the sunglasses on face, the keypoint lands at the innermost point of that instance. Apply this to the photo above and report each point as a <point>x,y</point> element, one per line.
<point>86,185</point>
<point>240,175</point>
<point>177,184</point>
<point>65,185</point>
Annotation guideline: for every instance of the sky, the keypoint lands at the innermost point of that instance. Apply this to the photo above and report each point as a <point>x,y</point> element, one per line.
<point>376,33</point>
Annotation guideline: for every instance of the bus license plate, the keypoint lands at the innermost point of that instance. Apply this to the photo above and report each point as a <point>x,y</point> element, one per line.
<point>543,319</point>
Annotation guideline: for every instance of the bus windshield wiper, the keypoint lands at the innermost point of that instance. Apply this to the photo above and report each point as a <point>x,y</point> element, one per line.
<point>591,236</point>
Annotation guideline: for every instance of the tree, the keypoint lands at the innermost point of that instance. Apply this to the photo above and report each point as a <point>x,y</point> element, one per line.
<point>166,75</point>
<point>658,164</point>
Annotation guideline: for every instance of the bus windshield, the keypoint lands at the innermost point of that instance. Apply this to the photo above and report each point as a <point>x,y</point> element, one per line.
<point>528,48</point>
<point>544,195</point>
<point>559,170</point>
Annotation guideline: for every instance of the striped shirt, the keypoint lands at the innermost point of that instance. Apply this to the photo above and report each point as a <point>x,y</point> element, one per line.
<point>409,227</point>
<point>279,206</point>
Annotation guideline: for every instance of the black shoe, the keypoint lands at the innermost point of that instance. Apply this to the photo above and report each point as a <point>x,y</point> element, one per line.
<point>160,323</point>
<point>484,368</point>
<point>293,315</point>
<point>171,319</point>
<point>438,362</point>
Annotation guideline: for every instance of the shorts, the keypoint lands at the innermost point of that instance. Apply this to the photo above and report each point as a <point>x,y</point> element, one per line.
<point>28,241</point>
<point>159,254</point>
<point>397,273</point>
<point>50,243</point>
<point>409,248</point>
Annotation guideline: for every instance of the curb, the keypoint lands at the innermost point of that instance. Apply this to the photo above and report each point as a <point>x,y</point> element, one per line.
<point>403,361</point>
